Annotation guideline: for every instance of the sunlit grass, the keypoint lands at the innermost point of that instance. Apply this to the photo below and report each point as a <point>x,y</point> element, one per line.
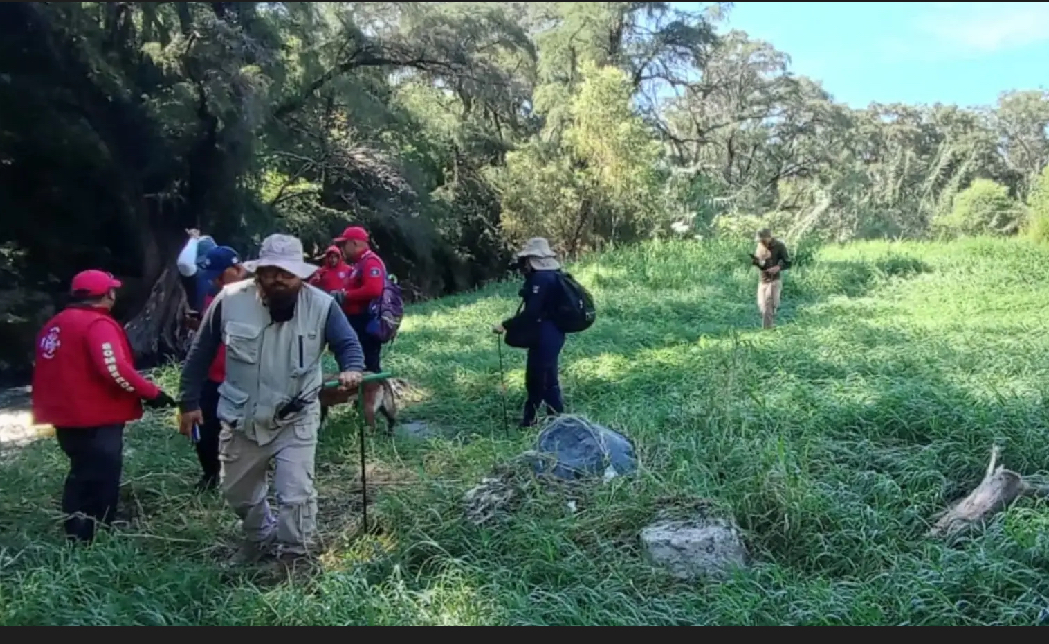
<point>834,439</point>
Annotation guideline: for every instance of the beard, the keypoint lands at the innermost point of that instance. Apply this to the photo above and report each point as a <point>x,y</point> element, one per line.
<point>281,303</point>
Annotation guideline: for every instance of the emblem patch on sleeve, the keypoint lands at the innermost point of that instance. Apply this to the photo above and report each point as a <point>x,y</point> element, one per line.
<point>375,272</point>
<point>50,343</point>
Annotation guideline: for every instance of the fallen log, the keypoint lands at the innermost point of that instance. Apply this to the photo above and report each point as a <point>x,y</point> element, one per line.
<point>998,490</point>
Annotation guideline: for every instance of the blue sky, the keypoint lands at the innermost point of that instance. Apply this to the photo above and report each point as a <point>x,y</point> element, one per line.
<point>920,52</point>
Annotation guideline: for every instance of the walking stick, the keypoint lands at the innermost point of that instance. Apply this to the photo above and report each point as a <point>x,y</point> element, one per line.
<point>502,384</point>
<point>369,378</point>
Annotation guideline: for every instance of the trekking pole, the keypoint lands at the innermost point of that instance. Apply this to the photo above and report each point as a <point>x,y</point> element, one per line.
<point>502,384</point>
<point>376,377</point>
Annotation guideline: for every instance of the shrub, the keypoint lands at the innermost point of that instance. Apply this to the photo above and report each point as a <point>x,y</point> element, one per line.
<point>1038,208</point>
<point>984,208</point>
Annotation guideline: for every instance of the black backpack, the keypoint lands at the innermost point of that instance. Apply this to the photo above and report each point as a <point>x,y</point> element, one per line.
<point>575,312</point>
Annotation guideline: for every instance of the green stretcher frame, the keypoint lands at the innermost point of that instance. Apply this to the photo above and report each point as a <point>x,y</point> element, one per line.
<point>368,378</point>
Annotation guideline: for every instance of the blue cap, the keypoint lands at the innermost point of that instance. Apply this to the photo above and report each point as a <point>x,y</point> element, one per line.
<point>205,244</point>
<point>217,260</point>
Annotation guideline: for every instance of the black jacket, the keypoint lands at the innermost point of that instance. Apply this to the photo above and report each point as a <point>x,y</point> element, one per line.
<point>539,299</point>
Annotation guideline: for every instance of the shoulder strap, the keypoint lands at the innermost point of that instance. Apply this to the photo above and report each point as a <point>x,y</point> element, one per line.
<point>368,254</point>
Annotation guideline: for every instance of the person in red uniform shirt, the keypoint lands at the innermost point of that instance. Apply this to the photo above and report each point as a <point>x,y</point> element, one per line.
<point>219,267</point>
<point>333,274</point>
<point>86,386</point>
<point>365,283</point>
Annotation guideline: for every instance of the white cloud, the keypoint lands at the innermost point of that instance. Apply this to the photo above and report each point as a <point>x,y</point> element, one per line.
<point>960,30</point>
<point>987,29</point>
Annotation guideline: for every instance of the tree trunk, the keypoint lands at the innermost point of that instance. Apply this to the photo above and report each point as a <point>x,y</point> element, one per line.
<point>157,331</point>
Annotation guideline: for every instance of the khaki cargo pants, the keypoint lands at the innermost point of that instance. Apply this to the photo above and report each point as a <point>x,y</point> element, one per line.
<point>768,301</point>
<point>243,484</point>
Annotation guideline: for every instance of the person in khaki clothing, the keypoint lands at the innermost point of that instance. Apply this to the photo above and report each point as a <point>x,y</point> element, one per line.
<point>772,259</point>
<point>275,329</point>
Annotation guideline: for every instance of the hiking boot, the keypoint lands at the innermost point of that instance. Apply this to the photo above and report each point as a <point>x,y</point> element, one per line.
<point>252,552</point>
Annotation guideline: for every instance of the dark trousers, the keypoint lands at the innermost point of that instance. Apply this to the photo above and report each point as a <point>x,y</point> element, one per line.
<point>541,374</point>
<point>92,489</point>
<point>208,445</point>
<point>370,345</point>
<point>189,285</point>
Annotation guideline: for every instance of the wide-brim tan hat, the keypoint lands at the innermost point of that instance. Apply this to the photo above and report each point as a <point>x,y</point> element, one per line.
<point>539,255</point>
<point>283,252</point>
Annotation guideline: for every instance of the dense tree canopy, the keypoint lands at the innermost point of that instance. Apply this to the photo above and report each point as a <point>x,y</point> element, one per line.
<point>452,130</point>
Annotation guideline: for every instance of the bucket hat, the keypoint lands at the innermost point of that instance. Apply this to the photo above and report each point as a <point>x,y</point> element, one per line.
<point>283,252</point>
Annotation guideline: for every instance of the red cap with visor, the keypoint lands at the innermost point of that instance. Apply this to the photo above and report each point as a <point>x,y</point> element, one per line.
<point>93,283</point>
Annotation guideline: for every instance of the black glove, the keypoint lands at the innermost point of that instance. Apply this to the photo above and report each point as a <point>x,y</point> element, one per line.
<point>162,401</point>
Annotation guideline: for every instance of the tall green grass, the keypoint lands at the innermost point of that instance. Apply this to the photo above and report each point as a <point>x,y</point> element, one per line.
<point>833,440</point>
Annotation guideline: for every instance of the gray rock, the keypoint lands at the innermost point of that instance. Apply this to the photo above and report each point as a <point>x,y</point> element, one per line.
<point>695,548</point>
<point>576,448</point>
<point>491,498</point>
<point>416,429</point>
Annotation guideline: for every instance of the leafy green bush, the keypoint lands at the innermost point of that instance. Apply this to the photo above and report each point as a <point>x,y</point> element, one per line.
<point>984,208</point>
<point>1038,208</point>
<point>737,225</point>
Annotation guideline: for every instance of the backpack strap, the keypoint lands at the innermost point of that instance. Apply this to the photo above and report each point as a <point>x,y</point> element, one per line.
<point>368,254</point>
<point>385,276</point>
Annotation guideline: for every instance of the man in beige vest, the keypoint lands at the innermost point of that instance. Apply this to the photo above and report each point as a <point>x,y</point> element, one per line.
<point>275,329</point>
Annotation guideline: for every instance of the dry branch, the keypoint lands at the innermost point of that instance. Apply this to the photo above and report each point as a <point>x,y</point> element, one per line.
<point>998,490</point>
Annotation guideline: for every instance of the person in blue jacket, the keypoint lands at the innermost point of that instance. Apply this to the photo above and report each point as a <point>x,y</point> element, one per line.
<point>194,281</point>
<point>534,329</point>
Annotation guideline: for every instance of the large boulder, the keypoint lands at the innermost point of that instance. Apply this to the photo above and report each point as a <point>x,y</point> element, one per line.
<point>702,546</point>
<point>574,447</point>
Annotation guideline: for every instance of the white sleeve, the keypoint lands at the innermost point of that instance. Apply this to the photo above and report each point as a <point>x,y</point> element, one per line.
<point>187,259</point>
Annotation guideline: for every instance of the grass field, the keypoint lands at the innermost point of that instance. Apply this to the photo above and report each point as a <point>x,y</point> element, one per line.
<point>834,439</point>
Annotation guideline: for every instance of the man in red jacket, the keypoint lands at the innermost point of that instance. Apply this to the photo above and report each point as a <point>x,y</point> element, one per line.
<point>365,283</point>
<point>221,266</point>
<point>332,275</point>
<point>86,386</point>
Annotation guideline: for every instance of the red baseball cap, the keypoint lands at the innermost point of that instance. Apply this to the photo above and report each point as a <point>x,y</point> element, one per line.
<point>93,283</point>
<point>353,233</point>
